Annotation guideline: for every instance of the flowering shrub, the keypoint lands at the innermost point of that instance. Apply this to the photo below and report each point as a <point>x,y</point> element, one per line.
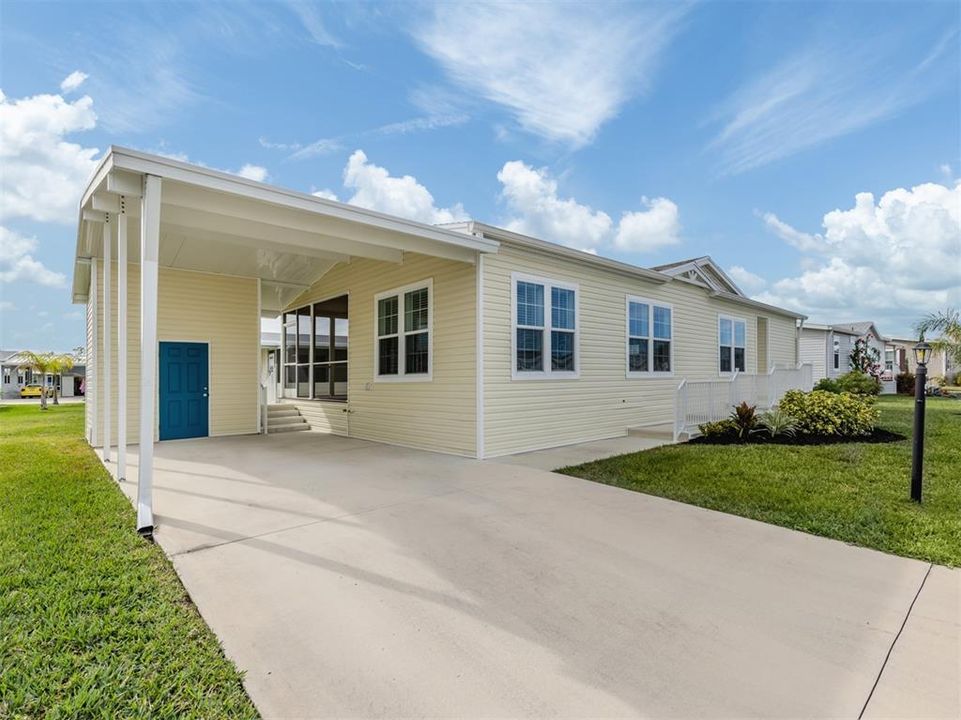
<point>824,413</point>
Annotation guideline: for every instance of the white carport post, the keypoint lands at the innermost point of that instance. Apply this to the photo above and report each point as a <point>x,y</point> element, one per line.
<point>122,341</point>
<point>149,255</point>
<point>107,318</point>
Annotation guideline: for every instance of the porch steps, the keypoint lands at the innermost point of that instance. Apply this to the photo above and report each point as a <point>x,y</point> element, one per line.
<point>285,418</point>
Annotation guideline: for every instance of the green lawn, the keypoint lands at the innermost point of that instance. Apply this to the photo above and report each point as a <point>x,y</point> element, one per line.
<point>93,620</point>
<point>854,492</point>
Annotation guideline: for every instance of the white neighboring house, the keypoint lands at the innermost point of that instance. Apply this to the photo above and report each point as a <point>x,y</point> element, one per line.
<point>14,378</point>
<point>828,347</point>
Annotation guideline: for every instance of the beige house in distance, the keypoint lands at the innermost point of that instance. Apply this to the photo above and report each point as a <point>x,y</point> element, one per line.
<point>465,339</point>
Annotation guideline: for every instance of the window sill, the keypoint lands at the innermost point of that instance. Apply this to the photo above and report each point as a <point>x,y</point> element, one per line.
<point>404,378</point>
<point>648,375</point>
<point>521,376</point>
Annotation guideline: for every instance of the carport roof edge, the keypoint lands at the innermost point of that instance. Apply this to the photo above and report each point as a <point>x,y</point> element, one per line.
<point>134,161</point>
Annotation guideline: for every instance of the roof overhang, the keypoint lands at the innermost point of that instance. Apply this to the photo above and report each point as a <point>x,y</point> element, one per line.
<point>212,221</point>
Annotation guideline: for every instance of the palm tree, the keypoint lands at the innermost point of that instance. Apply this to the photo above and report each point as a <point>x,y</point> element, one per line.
<point>61,364</point>
<point>40,363</point>
<point>947,323</point>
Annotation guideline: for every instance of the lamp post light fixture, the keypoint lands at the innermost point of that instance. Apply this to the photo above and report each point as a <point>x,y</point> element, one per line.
<point>922,353</point>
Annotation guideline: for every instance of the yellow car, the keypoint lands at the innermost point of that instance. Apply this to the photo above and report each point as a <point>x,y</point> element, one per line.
<point>28,391</point>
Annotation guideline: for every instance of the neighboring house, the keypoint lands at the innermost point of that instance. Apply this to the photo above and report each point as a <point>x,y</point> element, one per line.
<point>14,378</point>
<point>828,347</point>
<point>465,339</point>
<point>902,358</point>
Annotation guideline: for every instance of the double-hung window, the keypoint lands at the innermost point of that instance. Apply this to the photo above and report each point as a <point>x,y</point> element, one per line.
<point>403,326</point>
<point>545,328</point>
<point>649,338</point>
<point>732,344</point>
<point>837,354</point>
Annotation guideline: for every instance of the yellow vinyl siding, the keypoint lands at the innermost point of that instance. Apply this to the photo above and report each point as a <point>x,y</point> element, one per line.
<point>528,414</point>
<point>220,310</point>
<point>438,414</point>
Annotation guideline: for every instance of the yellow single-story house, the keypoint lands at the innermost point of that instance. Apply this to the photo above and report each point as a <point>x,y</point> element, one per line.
<point>465,339</point>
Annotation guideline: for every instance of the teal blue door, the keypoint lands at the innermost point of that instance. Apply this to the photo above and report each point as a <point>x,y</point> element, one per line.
<point>184,390</point>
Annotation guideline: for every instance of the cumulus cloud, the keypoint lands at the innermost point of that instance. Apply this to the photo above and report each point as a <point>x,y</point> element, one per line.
<point>806,242</point>
<point>531,195</point>
<point>644,230</point>
<point>253,172</point>
<point>44,173</point>
<point>891,260</point>
<point>325,194</point>
<point>73,81</point>
<point>746,280</point>
<point>375,188</point>
<point>561,69</point>
<point>17,263</point>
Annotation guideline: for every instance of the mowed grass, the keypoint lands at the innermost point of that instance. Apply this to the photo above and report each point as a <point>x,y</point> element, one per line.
<point>856,492</point>
<point>94,622</point>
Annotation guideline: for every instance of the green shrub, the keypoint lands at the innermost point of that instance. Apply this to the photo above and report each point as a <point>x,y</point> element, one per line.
<point>828,385</point>
<point>744,417</point>
<point>823,413</point>
<point>857,383</point>
<point>721,428</point>
<point>777,422</point>
<point>905,383</point>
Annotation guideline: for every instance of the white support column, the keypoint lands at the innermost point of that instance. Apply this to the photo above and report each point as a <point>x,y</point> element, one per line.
<point>149,252</point>
<point>107,318</point>
<point>122,341</point>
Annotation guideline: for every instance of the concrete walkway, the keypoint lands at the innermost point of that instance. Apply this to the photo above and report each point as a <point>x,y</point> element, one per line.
<point>352,579</point>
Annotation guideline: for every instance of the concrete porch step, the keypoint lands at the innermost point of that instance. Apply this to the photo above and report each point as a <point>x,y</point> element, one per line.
<point>288,426</point>
<point>281,412</point>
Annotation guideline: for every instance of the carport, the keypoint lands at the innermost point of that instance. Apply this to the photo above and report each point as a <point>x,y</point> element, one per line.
<point>353,579</point>
<point>226,246</point>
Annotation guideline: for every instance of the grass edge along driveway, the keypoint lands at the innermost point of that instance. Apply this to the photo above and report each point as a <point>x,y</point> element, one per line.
<point>854,492</point>
<point>94,621</point>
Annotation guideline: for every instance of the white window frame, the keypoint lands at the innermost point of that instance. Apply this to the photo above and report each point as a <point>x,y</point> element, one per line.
<point>641,374</point>
<point>402,333</point>
<point>734,345</point>
<point>7,375</point>
<point>547,373</point>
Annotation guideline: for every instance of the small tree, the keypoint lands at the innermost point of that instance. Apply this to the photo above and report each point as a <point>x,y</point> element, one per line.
<point>864,358</point>
<point>42,364</point>
<point>61,364</point>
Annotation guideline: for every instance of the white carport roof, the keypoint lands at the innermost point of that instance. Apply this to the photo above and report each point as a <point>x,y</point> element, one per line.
<point>217,222</point>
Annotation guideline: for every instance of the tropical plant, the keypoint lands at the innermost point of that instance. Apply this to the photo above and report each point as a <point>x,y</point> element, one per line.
<point>61,363</point>
<point>744,417</point>
<point>947,324</point>
<point>823,413</point>
<point>42,364</point>
<point>777,422</point>
<point>864,358</point>
<point>721,428</point>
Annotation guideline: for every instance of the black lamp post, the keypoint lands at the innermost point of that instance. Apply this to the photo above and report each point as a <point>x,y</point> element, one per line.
<point>922,351</point>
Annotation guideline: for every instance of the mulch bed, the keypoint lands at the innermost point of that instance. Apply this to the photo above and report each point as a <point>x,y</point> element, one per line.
<point>878,436</point>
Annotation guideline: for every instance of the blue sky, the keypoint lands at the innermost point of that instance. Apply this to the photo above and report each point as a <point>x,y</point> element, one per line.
<point>751,132</point>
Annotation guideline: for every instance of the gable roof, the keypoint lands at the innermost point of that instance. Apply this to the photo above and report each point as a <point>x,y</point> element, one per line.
<point>703,271</point>
<point>864,327</point>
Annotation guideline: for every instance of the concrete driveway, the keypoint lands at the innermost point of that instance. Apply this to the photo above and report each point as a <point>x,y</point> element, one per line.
<point>353,579</point>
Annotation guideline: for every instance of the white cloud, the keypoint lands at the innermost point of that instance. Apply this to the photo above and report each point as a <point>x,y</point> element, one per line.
<point>532,197</point>
<point>313,23</point>
<point>325,193</point>
<point>561,69</point>
<point>7,305</point>
<point>531,194</point>
<point>326,146</point>
<point>644,230</point>
<point>17,263</point>
<point>746,280</point>
<point>376,189</point>
<point>253,172</point>
<point>44,174</point>
<point>890,260</point>
<point>73,81</point>
<point>805,242</point>
<point>821,92</point>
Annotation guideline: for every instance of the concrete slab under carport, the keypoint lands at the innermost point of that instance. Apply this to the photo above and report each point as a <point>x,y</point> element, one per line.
<point>349,578</point>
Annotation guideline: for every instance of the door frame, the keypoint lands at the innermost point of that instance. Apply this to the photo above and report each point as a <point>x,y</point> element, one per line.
<point>201,341</point>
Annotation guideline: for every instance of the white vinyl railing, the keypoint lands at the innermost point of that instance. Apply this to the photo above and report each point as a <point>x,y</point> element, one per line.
<point>701,401</point>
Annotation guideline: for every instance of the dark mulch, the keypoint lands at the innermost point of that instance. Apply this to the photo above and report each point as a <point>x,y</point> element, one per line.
<point>878,436</point>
